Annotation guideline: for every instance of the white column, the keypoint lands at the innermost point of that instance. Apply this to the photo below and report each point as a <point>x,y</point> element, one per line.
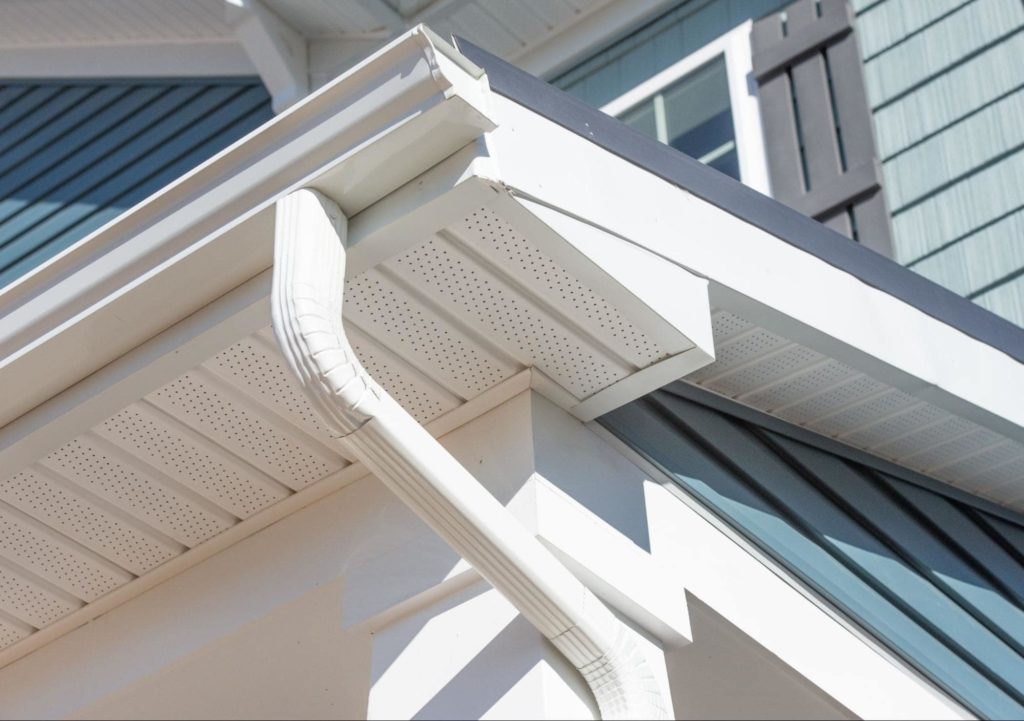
<point>458,649</point>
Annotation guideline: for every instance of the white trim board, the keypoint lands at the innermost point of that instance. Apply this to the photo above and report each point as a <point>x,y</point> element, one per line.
<point>184,59</point>
<point>806,295</point>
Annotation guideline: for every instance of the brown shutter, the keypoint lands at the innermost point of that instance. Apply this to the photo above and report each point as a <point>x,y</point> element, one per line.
<point>821,151</point>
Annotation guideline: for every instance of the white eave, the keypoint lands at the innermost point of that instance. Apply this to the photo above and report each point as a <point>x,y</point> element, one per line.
<point>459,297</point>
<point>490,251</point>
<point>796,334</point>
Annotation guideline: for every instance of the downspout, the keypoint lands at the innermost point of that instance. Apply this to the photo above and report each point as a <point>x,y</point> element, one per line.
<point>309,272</point>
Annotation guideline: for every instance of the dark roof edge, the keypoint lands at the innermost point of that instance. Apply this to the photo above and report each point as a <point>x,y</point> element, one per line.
<point>837,448</point>
<point>748,204</point>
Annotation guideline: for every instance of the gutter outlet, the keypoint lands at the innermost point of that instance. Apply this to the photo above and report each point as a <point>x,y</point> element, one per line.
<point>308,285</point>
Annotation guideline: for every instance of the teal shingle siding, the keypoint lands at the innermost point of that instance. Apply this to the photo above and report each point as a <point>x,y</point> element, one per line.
<point>75,154</point>
<point>945,80</point>
<point>938,580</point>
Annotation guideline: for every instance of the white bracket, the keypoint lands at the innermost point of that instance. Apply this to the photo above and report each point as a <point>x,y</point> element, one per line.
<point>279,52</point>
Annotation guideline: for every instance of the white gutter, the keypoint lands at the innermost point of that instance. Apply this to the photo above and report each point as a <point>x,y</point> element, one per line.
<point>400,112</point>
<point>309,271</point>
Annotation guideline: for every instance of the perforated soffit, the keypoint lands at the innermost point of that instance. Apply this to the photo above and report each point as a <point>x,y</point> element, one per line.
<point>449,319</point>
<point>437,326</point>
<point>795,383</point>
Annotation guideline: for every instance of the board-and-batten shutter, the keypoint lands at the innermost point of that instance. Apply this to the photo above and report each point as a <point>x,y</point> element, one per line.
<point>822,158</point>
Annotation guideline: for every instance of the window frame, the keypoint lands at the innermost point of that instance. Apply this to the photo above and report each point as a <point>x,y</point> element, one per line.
<point>734,47</point>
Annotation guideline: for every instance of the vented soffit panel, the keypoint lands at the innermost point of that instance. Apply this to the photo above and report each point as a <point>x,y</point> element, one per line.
<point>150,420</point>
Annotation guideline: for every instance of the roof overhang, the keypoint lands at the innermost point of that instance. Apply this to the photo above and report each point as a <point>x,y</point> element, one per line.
<point>809,326</point>
<point>491,249</point>
<point>460,294</point>
<point>399,143</point>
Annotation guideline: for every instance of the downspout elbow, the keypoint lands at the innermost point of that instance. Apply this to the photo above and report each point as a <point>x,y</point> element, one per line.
<point>307,297</point>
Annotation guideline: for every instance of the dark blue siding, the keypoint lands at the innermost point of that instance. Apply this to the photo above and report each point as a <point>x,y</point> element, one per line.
<point>938,580</point>
<point>74,155</point>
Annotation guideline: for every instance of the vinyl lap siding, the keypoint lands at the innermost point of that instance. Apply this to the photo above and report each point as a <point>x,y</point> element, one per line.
<point>946,85</point>
<point>937,580</point>
<point>74,155</point>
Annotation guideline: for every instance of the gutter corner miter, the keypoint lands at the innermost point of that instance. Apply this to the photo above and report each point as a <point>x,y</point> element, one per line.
<point>308,285</point>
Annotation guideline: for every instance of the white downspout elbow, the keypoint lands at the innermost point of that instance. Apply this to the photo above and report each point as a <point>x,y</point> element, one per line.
<point>309,272</point>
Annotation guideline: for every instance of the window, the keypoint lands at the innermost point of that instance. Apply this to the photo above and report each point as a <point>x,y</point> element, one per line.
<point>705,106</point>
<point>693,116</point>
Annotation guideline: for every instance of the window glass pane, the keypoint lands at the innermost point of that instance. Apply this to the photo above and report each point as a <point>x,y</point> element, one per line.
<point>697,114</point>
<point>648,50</point>
<point>696,118</point>
<point>642,118</point>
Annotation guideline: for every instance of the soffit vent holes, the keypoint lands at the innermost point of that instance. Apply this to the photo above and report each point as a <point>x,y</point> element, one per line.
<point>85,463</point>
<point>765,371</point>
<point>172,453</point>
<point>905,445</point>
<point>263,375</point>
<point>864,414</point>
<point>30,603</point>
<point>392,318</point>
<point>895,426</point>
<point>970,467</point>
<point>815,380</point>
<point>499,314</point>
<point>739,351</point>
<point>55,562</point>
<point>416,398</point>
<point>47,501</point>
<point>10,634</point>
<point>498,240</point>
<point>829,401</point>
<point>725,325</point>
<point>211,412</point>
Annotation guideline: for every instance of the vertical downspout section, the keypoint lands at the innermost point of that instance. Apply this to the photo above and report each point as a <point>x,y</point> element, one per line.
<point>309,272</point>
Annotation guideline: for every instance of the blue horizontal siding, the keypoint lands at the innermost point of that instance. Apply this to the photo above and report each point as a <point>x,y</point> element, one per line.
<point>946,84</point>
<point>74,155</point>
<point>938,581</point>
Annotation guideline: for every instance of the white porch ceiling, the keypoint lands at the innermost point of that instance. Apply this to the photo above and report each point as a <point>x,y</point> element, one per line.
<point>30,23</point>
<point>507,27</point>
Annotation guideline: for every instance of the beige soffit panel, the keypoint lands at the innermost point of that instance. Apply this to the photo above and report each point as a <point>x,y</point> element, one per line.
<point>182,432</point>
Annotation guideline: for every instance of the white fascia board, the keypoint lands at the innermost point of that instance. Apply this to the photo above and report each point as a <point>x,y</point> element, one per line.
<point>209,58</point>
<point>758,275</point>
<point>404,109</point>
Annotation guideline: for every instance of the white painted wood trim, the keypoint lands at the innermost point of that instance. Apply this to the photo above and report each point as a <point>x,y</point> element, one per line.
<point>277,50</point>
<point>169,59</point>
<point>752,273</point>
